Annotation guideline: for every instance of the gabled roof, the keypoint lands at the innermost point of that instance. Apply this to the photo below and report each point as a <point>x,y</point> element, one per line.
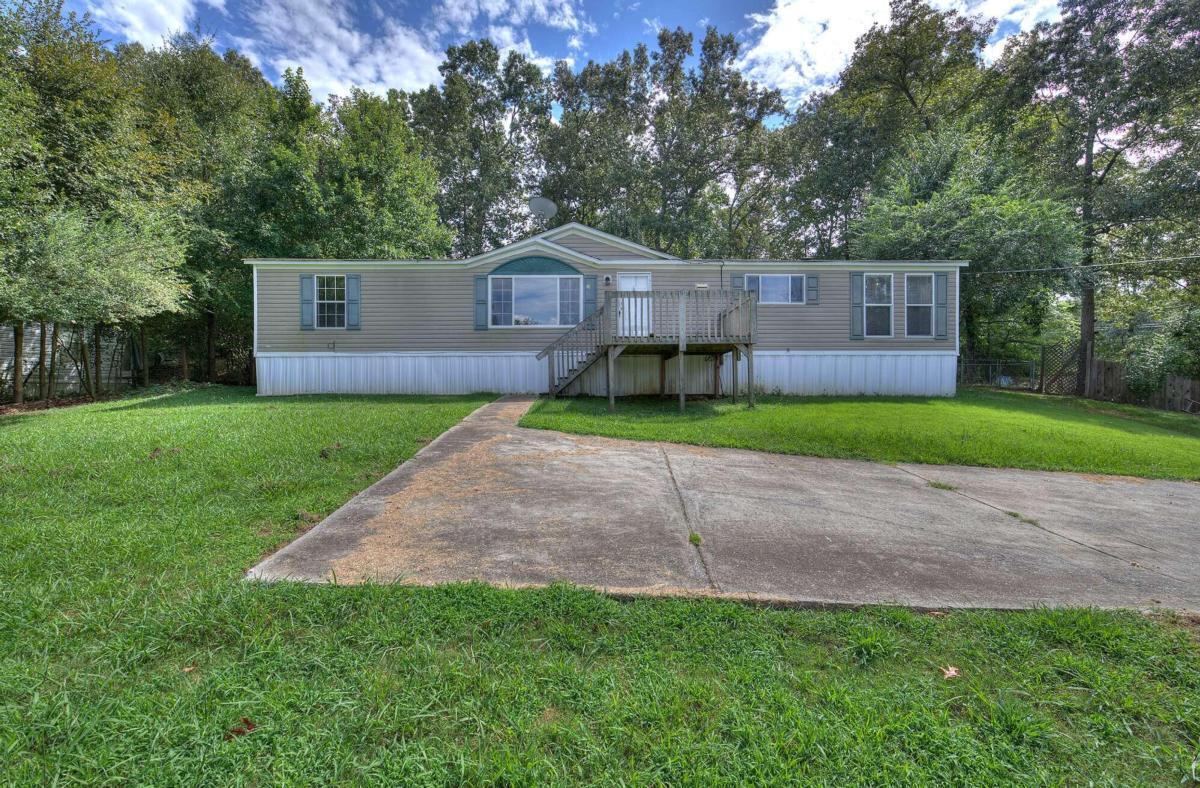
<point>608,238</point>
<point>533,245</point>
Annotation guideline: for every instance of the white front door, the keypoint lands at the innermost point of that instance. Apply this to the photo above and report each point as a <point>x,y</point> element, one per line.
<point>634,313</point>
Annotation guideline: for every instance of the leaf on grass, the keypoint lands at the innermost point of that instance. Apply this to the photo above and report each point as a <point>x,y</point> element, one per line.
<point>307,517</point>
<point>937,613</point>
<point>240,730</point>
<point>950,672</point>
<point>188,668</point>
<point>328,451</point>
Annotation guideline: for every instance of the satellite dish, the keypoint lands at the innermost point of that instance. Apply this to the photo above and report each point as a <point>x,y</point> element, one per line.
<point>542,208</point>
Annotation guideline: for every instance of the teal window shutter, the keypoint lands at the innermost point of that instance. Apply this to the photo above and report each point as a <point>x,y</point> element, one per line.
<point>752,283</point>
<point>737,281</point>
<point>589,295</point>
<point>307,309</point>
<point>481,303</point>
<point>353,301</point>
<point>940,284</point>
<point>812,283</point>
<point>856,306</point>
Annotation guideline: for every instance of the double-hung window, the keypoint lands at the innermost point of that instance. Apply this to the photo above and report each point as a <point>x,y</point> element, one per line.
<point>777,288</point>
<point>550,301</point>
<point>331,300</point>
<point>877,305</point>
<point>918,305</point>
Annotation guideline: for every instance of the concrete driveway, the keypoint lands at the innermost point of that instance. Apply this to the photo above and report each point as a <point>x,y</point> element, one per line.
<point>491,501</point>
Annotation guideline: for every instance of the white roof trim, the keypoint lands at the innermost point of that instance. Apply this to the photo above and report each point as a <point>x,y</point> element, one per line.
<point>626,264</point>
<point>529,245</point>
<point>608,238</point>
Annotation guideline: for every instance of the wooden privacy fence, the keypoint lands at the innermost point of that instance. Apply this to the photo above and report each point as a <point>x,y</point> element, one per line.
<point>1106,381</point>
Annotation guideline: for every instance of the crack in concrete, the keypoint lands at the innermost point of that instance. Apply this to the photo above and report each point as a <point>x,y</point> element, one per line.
<point>708,576</point>
<point>1051,531</point>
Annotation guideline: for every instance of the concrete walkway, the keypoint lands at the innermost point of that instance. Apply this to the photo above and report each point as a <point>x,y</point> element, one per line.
<point>492,501</point>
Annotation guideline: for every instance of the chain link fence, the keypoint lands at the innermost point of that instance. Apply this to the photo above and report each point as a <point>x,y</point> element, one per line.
<point>1006,374</point>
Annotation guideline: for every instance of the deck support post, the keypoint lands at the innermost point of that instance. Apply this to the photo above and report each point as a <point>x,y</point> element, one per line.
<point>682,347</point>
<point>750,375</point>
<point>717,374</point>
<point>550,366</point>
<point>608,378</point>
<point>733,373</point>
<point>682,384</point>
<point>662,376</point>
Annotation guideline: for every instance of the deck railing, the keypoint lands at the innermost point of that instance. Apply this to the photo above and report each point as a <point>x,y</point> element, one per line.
<point>676,318</point>
<point>679,317</point>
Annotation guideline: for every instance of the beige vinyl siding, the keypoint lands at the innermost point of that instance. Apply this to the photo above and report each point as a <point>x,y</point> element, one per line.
<point>601,250</point>
<point>826,325</point>
<point>433,310</point>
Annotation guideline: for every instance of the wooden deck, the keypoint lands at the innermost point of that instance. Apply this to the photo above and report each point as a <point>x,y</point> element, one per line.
<point>666,323</point>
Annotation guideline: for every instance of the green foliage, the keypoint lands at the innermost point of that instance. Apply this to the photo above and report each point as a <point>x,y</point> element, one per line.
<point>344,182</point>
<point>130,646</point>
<point>994,429</point>
<point>479,129</point>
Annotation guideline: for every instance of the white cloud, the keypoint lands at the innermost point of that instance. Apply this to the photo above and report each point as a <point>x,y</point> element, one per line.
<point>320,36</point>
<point>462,16</point>
<point>508,40</point>
<point>651,26</point>
<point>147,21</point>
<point>574,42</point>
<point>800,47</point>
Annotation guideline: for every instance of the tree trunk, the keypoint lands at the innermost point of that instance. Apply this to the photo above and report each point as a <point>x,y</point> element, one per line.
<point>19,362</point>
<point>98,377</point>
<point>42,361</point>
<point>211,349</point>
<point>1087,296</point>
<point>145,357</point>
<point>53,363</point>
<point>84,369</point>
<point>184,371</point>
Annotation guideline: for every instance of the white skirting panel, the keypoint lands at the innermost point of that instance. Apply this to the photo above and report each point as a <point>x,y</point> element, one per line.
<point>898,373</point>
<point>400,373</point>
<point>913,373</point>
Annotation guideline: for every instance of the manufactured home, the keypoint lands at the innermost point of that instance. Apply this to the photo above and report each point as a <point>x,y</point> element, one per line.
<point>574,310</point>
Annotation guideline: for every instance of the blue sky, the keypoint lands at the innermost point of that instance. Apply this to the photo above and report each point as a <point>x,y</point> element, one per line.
<point>797,46</point>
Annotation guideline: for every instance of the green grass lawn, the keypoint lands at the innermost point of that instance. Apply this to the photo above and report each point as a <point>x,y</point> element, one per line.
<point>130,649</point>
<point>978,427</point>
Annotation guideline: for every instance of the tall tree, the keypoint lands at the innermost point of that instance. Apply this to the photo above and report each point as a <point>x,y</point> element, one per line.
<point>346,182</point>
<point>205,115</point>
<point>1109,79</point>
<point>80,151</point>
<point>919,67</point>
<point>705,124</point>
<point>595,162</point>
<point>480,131</point>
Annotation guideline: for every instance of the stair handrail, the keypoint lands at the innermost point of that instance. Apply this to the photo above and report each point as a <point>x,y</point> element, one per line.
<point>578,328</point>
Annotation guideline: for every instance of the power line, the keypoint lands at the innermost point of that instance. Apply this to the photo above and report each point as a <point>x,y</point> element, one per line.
<point>1148,261</point>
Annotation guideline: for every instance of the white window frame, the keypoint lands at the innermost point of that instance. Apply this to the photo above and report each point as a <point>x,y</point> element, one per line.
<point>789,277</point>
<point>932,306</point>
<point>557,290</point>
<point>317,301</point>
<point>891,305</point>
